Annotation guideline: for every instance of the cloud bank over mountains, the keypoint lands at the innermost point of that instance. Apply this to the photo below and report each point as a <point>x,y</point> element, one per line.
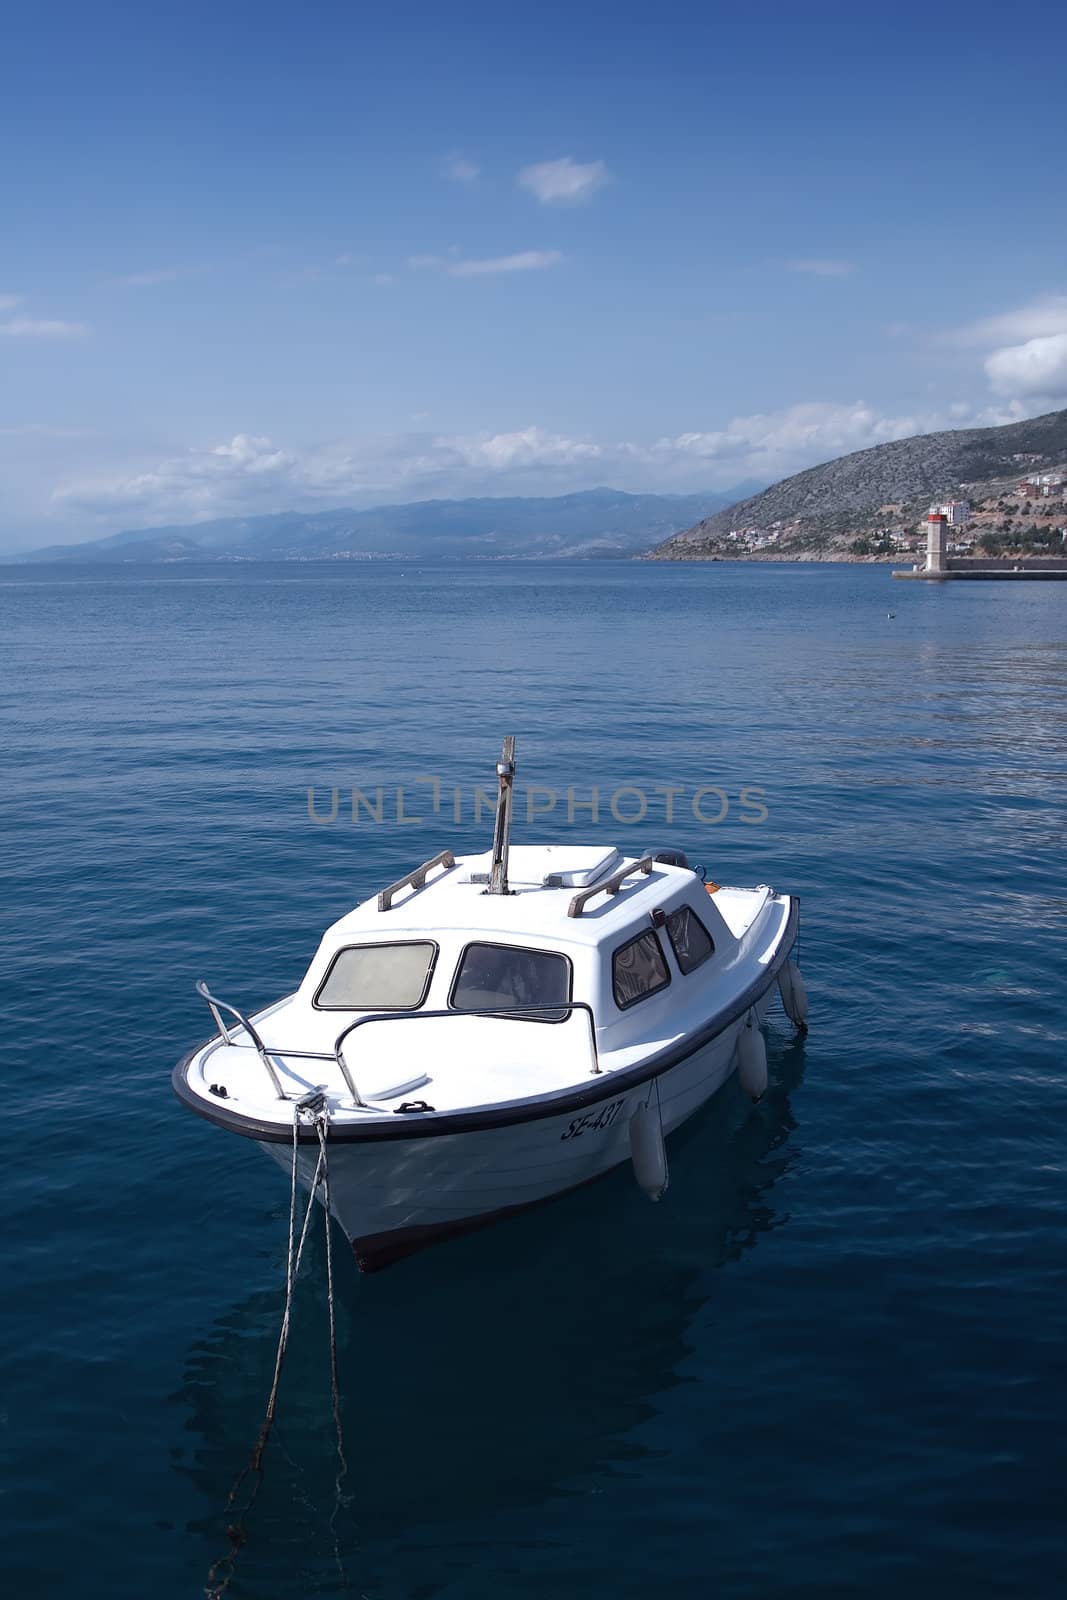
<point>251,473</point>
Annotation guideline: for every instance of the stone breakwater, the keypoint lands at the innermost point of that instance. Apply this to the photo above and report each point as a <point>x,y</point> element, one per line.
<point>1047,568</point>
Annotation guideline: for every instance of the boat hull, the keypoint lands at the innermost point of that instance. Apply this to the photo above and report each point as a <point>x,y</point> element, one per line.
<point>394,1198</point>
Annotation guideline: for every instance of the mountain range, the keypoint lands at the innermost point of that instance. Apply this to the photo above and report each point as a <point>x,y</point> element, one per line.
<point>596,522</point>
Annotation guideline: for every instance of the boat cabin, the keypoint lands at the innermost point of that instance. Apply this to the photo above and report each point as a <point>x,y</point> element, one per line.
<point>579,927</point>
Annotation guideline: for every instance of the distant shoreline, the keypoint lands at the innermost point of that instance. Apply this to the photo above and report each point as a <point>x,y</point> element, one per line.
<point>825,558</point>
<point>193,564</point>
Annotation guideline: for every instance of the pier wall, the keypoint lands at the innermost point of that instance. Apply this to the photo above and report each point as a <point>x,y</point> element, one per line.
<point>1023,569</point>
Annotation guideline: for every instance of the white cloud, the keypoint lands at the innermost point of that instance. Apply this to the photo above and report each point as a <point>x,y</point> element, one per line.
<point>522,261</point>
<point>36,328</point>
<point>196,484</point>
<point>1035,320</point>
<point>529,447</point>
<point>1026,357</point>
<point>460,170</point>
<point>252,453</point>
<point>1036,368</point>
<point>8,302</point>
<point>384,278</point>
<point>565,181</point>
<point>773,444</point>
<point>821,266</point>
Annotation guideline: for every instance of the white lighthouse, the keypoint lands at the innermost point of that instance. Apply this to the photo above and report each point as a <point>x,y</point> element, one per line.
<point>936,530</point>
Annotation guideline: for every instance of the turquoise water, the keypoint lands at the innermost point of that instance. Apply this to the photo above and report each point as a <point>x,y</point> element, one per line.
<point>830,1362</point>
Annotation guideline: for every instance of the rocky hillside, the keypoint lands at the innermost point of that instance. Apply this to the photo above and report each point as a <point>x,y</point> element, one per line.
<point>824,510</point>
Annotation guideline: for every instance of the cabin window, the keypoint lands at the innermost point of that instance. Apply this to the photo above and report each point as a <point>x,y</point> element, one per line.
<point>690,940</point>
<point>378,977</point>
<point>639,969</point>
<point>502,977</point>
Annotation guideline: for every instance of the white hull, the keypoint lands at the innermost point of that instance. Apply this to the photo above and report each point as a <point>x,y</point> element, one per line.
<point>392,1197</point>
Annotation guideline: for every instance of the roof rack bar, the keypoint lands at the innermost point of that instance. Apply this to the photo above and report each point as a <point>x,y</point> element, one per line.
<point>416,880</point>
<point>610,885</point>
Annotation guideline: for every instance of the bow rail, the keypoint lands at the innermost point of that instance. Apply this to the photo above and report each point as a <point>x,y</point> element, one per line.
<point>521,1013</point>
<point>216,1006</point>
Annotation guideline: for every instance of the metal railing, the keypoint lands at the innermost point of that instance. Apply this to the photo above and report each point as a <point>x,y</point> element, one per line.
<point>501,1013</point>
<point>213,1006</point>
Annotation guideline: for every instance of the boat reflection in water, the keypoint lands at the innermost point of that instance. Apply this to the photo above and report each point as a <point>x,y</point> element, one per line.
<point>515,1367</point>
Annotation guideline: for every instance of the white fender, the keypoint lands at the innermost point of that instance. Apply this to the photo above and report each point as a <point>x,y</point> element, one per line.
<point>648,1152</point>
<point>794,994</point>
<point>752,1062</point>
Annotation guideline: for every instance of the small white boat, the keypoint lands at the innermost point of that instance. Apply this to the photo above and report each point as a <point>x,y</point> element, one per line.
<point>493,1030</point>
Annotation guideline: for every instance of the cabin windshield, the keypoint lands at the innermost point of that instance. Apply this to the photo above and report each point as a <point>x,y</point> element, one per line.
<point>503,977</point>
<point>378,977</point>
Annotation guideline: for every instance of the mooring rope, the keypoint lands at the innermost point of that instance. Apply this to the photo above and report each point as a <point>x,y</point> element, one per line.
<point>335,1387</point>
<point>221,1571</point>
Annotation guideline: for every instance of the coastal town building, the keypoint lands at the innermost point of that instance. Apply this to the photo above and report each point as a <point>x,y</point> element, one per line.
<point>956,512</point>
<point>1042,486</point>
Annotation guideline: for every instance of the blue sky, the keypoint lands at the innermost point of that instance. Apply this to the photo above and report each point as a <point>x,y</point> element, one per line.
<point>259,257</point>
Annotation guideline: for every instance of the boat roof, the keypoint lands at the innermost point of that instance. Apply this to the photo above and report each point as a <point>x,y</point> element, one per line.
<point>543,880</point>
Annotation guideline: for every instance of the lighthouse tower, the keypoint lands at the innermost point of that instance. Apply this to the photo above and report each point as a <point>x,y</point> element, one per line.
<point>936,530</point>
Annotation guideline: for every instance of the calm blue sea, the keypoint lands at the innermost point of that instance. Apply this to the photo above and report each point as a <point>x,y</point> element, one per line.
<point>829,1363</point>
